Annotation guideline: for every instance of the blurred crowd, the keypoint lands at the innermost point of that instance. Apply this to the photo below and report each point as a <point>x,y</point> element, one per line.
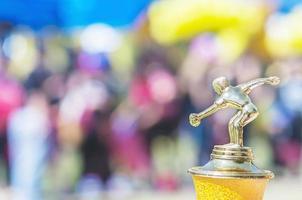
<point>96,109</point>
<point>73,120</point>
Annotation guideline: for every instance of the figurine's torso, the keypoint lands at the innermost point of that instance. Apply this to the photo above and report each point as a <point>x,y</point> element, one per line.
<point>234,97</point>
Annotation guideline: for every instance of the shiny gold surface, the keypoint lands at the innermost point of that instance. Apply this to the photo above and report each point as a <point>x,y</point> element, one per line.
<point>229,189</point>
<point>232,152</point>
<point>234,97</point>
<point>198,171</point>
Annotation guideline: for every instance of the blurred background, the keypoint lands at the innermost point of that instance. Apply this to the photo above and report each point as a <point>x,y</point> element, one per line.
<point>95,95</point>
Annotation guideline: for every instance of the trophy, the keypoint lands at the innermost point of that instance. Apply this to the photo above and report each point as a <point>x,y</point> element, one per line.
<point>230,174</point>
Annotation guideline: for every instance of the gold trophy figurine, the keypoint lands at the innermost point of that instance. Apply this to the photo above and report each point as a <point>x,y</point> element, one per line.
<point>230,173</point>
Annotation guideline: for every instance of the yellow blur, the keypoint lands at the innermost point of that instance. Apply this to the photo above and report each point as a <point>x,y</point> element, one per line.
<point>235,22</point>
<point>171,21</point>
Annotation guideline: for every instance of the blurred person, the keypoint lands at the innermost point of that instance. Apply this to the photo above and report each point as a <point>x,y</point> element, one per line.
<point>86,89</point>
<point>80,134</point>
<point>29,129</point>
<point>95,153</point>
<point>129,149</point>
<point>28,132</point>
<point>154,93</point>
<point>82,92</point>
<point>11,98</point>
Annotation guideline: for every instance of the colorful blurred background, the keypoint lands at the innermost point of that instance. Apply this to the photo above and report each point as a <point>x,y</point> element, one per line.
<point>95,95</point>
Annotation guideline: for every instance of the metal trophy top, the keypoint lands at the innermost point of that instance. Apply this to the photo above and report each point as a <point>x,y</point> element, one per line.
<point>233,159</point>
<point>234,97</point>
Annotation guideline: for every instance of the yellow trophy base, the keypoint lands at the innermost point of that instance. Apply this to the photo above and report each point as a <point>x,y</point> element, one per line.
<point>229,188</point>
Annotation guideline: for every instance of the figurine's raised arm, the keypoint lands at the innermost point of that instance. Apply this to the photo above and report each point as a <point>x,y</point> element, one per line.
<point>195,118</point>
<point>247,87</point>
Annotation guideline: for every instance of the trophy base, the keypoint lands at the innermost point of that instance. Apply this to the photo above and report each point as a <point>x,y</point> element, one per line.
<point>231,161</point>
<point>230,175</point>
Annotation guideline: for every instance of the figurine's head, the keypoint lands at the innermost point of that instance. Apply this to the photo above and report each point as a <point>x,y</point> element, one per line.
<point>220,84</point>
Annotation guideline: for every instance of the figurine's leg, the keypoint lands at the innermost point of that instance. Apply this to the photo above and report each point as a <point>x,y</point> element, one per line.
<point>238,139</point>
<point>242,118</point>
<point>235,128</point>
<point>249,113</point>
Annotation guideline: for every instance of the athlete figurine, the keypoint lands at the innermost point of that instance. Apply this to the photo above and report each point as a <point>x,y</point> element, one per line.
<point>234,97</point>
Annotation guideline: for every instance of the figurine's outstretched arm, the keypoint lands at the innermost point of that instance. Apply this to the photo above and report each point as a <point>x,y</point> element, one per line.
<point>247,87</point>
<point>195,118</point>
